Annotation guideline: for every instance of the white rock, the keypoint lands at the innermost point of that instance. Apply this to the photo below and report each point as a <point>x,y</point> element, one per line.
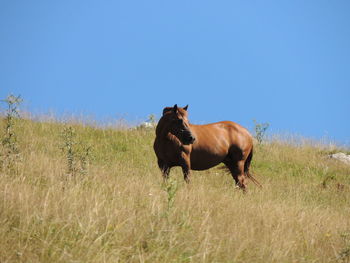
<point>147,125</point>
<point>341,157</point>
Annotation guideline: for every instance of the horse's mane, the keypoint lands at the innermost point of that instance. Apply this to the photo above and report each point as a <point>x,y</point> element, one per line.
<point>162,130</point>
<point>167,110</point>
<point>162,123</point>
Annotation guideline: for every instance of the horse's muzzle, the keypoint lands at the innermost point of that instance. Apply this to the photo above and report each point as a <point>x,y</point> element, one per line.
<point>188,140</point>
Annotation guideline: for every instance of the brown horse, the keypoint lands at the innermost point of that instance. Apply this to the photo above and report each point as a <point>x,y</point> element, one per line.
<point>200,147</point>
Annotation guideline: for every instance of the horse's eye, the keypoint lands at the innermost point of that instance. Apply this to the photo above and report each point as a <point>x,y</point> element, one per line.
<point>180,121</point>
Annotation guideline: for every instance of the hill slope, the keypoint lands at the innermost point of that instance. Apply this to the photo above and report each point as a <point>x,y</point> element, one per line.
<point>62,201</point>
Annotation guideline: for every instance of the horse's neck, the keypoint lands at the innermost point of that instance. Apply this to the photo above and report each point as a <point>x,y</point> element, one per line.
<point>171,137</point>
<point>162,129</point>
<point>166,135</point>
<point>163,133</point>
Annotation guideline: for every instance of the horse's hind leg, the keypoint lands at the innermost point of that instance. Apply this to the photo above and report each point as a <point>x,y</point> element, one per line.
<point>247,172</point>
<point>237,172</point>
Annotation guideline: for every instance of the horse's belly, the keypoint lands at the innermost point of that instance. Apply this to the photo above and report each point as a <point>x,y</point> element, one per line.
<point>204,161</point>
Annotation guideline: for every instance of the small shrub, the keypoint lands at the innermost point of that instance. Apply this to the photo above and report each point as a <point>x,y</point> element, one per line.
<point>152,119</point>
<point>260,130</point>
<point>78,155</point>
<point>170,187</point>
<point>10,150</point>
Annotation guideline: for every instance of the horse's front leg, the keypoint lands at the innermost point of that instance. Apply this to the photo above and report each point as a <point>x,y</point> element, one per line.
<point>165,169</point>
<point>187,174</point>
<point>186,168</point>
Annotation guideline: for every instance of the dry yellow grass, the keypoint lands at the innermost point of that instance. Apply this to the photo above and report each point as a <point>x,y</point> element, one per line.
<point>119,210</point>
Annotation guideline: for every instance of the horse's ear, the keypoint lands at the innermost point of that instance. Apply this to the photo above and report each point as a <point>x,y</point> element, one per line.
<point>185,108</point>
<point>167,109</point>
<point>175,108</point>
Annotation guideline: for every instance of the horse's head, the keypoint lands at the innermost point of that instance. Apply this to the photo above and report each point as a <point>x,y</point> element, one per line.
<point>178,123</point>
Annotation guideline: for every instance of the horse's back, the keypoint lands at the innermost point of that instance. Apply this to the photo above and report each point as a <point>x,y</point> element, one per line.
<point>231,132</point>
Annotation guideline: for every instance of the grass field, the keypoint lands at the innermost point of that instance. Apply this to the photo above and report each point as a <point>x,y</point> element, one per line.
<point>61,201</point>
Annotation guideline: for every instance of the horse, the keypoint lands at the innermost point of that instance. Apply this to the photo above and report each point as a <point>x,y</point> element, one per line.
<point>201,147</point>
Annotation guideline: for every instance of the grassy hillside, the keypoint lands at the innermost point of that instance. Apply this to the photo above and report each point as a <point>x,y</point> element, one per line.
<point>61,201</point>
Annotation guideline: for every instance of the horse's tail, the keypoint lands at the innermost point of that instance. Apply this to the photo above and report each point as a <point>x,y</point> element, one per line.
<point>246,169</point>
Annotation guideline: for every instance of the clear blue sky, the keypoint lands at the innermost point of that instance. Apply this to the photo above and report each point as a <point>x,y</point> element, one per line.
<point>282,62</point>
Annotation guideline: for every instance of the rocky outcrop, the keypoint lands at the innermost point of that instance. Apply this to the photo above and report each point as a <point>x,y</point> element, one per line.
<point>345,158</point>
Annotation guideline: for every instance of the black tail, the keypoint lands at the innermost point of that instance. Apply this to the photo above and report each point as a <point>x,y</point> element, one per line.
<point>246,169</point>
